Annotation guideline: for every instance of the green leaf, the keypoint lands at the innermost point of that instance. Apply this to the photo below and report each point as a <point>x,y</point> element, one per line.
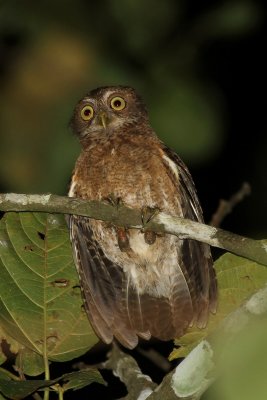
<point>19,390</point>
<point>4,374</point>
<point>40,301</point>
<point>76,380</point>
<point>29,362</point>
<point>238,278</point>
<point>80,379</point>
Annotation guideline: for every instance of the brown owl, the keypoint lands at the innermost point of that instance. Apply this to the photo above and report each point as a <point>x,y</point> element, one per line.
<point>135,283</point>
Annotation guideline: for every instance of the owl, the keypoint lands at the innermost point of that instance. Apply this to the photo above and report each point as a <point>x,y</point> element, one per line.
<point>135,283</point>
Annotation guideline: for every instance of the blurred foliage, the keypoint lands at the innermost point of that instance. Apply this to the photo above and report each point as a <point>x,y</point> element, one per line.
<point>244,366</point>
<point>53,52</point>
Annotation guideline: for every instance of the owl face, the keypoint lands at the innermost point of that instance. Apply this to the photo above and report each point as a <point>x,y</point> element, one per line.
<point>106,109</point>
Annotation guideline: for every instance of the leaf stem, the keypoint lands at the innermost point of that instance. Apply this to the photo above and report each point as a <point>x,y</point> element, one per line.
<point>45,357</point>
<point>60,393</point>
<point>10,375</point>
<point>47,371</point>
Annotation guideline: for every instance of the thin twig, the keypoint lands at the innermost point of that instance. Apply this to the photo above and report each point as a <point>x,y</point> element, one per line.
<point>82,365</point>
<point>36,396</point>
<point>226,206</point>
<point>156,358</point>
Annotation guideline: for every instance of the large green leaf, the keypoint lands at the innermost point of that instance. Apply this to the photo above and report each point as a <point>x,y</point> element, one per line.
<point>75,380</point>
<point>238,278</point>
<point>40,300</point>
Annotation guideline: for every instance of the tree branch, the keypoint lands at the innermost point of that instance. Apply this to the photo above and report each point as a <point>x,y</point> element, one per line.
<point>124,366</point>
<point>121,215</point>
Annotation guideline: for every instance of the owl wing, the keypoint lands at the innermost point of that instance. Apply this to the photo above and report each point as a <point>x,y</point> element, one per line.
<point>195,257</point>
<point>114,306</point>
<point>106,292</point>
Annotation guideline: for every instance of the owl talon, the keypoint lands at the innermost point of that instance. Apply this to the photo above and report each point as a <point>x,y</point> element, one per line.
<point>114,201</point>
<point>147,214</point>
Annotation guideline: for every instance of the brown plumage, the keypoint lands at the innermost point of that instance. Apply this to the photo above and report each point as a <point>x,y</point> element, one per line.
<point>135,284</point>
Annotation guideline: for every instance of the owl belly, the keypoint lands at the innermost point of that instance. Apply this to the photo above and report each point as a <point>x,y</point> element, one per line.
<point>149,268</point>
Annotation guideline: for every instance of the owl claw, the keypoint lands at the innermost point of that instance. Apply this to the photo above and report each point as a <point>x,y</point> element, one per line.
<point>147,214</point>
<point>114,201</point>
<point>121,232</point>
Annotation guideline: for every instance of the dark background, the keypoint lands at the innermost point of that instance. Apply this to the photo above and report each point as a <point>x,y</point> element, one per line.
<point>200,65</point>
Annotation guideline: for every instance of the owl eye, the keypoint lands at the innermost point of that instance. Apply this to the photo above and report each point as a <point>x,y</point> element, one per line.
<point>117,103</point>
<point>87,113</point>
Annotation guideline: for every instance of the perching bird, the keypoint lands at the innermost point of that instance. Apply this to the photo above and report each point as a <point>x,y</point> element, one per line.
<point>135,283</point>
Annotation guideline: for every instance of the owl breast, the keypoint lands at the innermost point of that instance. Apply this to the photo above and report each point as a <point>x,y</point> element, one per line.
<point>137,175</point>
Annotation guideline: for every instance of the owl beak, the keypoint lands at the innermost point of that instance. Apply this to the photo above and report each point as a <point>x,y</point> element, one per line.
<point>103,119</point>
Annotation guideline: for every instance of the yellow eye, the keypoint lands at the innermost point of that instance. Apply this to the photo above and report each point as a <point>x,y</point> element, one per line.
<point>87,113</point>
<point>117,103</point>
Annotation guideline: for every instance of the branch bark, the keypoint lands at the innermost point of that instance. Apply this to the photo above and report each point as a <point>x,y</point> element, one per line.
<point>125,367</point>
<point>255,250</point>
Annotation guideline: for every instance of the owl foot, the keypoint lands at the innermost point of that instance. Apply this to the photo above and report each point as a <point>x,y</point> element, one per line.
<point>114,201</point>
<point>150,237</point>
<point>147,215</point>
<point>123,239</point>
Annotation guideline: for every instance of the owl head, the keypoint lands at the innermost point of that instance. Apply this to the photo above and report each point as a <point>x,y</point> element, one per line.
<point>107,109</point>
